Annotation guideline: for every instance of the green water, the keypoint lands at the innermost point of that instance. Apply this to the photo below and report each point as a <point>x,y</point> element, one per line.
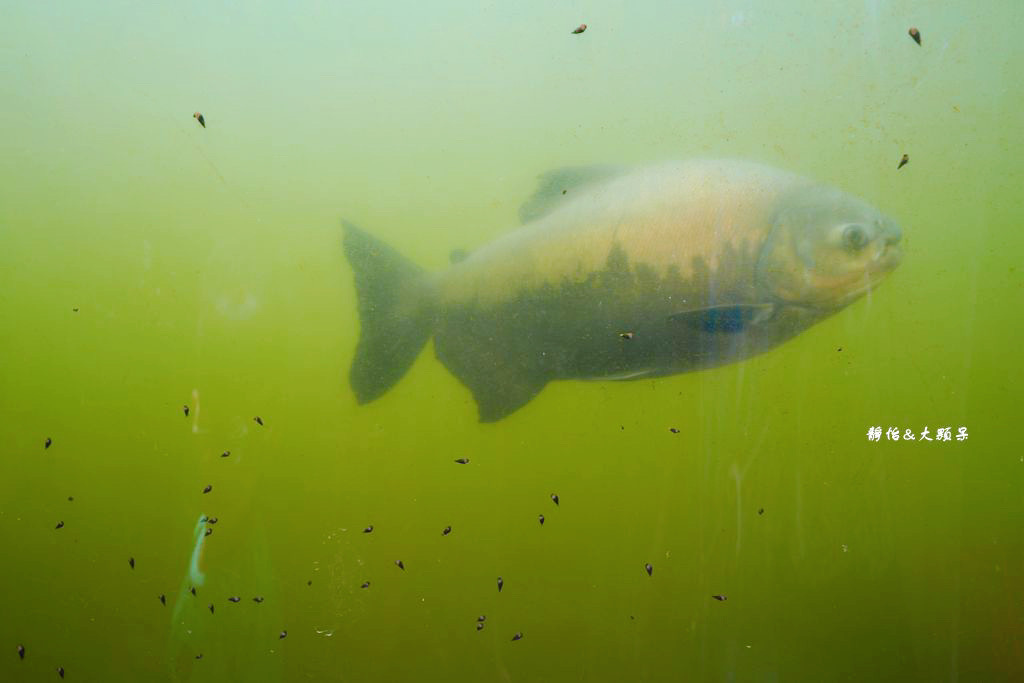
<point>147,263</point>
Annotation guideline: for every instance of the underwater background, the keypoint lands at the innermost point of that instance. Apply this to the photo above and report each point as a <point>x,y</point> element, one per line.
<point>148,264</point>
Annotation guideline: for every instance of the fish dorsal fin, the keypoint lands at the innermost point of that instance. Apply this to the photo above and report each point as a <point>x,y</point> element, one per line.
<point>555,186</point>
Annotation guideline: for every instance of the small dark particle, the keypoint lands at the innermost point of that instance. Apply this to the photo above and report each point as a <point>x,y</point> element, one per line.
<point>21,651</point>
<point>500,584</point>
<point>310,582</point>
<point>447,530</point>
<point>631,617</point>
<point>209,487</point>
<point>258,599</point>
<point>75,309</point>
<point>760,511</point>
<point>47,443</point>
<point>200,655</point>
<point>564,191</point>
<point>462,461</point>
<point>211,520</point>
<point>211,608</point>
<point>518,636</point>
<point>282,635</point>
<point>208,531</point>
<point>649,569</point>
<point>482,617</point>
<point>839,349</point>
<point>368,529</point>
<point>904,160</point>
<point>673,430</point>
<point>192,590</point>
<point>185,409</point>
<point>622,427</point>
<point>234,598</point>
<point>579,29</point>
<point>60,671</point>
<point>225,454</point>
<point>720,598</point>
<point>70,498</point>
<point>259,420</point>
<point>480,626</point>
<point>60,524</point>
<point>202,122</point>
<point>366,584</point>
<point>915,34</point>
<point>131,562</point>
<point>398,563</point>
<point>163,599</point>
<point>627,335</point>
<point>540,518</point>
<point>554,498</point>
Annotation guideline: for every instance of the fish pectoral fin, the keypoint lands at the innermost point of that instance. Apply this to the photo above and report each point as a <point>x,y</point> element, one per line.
<point>556,186</point>
<point>727,319</point>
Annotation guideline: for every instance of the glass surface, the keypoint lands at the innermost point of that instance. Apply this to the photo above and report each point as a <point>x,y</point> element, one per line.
<point>166,281</point>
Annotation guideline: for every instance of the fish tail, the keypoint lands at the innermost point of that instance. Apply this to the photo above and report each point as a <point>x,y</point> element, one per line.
<point>396,313</point>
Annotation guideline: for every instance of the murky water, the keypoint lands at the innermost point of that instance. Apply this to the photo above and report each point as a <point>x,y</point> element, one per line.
<point>149,264</point>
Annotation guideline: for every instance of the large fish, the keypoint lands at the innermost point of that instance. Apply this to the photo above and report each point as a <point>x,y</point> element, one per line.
<point>622,273</point>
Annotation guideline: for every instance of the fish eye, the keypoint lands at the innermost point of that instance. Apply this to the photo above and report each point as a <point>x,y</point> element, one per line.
<point>855,236</point>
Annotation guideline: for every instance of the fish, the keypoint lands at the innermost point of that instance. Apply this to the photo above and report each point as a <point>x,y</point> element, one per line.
<point>707,261</point>
<point>131,562</point>
<point>462,461</point>
<point>184,409</point>
<point>60,524</point>
<point>234,598</point>
<point>282,635</point>
<point>399,564</point>
<point>47,443</point>
<point>554,498</point>
<point>649,569</point>
<point>480,626</point>
<point>518,636</point>
<point>540,518</point>
<point>21,652</point>
<point>915,34</point>
<point>904,160</point>
<point>60,671</point>
<point>199,117</point>
<point>207,488</point>
<point>445,531</point>
<point>258,420</point>
<point>579,29</point>
<point>501,584</point>
<point>720,598</point>
<point>163,599</point>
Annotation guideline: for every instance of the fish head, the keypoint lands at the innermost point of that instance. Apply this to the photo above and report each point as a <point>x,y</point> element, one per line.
<point>825,249</point>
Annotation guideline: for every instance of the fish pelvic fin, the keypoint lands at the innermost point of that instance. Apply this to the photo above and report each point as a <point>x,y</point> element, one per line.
<point>396,313</point>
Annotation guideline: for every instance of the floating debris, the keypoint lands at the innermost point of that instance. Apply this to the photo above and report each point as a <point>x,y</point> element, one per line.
<point>258,599</point>
<point>47,443</point>
<point>518,636</point>
<point>673,430</point>
<point>282,635</point>
<point>70,498</point>
<point>445,531</point>
<point>209,487</point>
<point>627,335</point>
<point>649,569</point>
<point>163,599</point>
<point>234,598</point>
<point>579,29</point>
<point>60,524</point>
<point>202,122</point>
<point>60,671</point>
<point>540,518</point>
<point>398,563</point>
<point>366,584</point>
<point>501,584</point>
<point>368,529</point>
<point>915,34</point>
<point>21,651</point>
<point>720,598</point>
<point>904,160</point>
<point>310,582</point>
<point>760,511</point>
<point>211,608</point>
<point>131,562</point>
<point>480,626</point>
<point>185,409</point>
<point>554,498</point>
<point>225,454</point>
<point>192,590</point>
<point>258,420</point>
<point>462,461</point>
